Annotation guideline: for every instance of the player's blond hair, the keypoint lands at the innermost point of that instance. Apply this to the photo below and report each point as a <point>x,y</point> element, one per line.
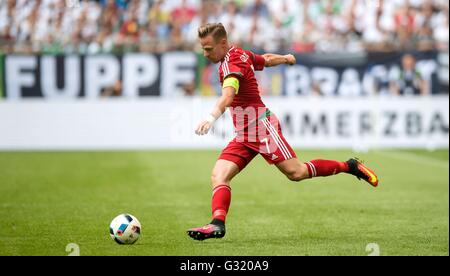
<point>217,30</point>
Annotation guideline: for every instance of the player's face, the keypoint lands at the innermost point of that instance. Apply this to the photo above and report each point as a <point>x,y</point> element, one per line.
<point>212,50</point>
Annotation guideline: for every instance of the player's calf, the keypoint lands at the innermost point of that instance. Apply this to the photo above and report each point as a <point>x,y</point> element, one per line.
<point>297,171</point>
<point>320,167</point>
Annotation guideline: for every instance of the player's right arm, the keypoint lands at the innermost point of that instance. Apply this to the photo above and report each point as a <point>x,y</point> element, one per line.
<point>228,91</point>
<point>274,59</point>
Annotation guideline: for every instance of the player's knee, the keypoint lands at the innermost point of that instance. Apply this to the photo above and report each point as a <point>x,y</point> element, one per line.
<point>218,179</point>
<point>298,174</point>
<point>295,176</point>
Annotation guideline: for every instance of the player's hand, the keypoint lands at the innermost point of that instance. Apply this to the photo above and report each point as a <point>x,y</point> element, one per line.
<point>290,59</point>
<point>203,128</point>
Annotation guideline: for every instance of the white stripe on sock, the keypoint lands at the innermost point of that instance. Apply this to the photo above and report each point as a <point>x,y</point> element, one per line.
<point>313,168</point>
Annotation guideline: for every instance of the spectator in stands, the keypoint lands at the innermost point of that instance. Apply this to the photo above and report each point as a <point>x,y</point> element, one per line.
<point>301,25</point>
<point>255,38</point>
<point>352,32</point>
<point>176,41</point>
<point>423,39</point>
<point>405,26</point>
<point>376,36</point>
<point>148,39</point>
<point>409,80</point>
<point>129,32</point>
<point>441,30</point>
<point>229,18</point>
<point>258,7</point>
<point>7,21</point>
<point>109,17</point>
<point>305,40</point>
<point>184,13</point>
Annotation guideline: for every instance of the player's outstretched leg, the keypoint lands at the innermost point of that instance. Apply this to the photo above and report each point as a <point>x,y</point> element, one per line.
<point>297,171</point>
<point>221,177</point>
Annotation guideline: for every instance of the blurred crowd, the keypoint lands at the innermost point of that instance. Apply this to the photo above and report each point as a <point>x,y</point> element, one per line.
<point>115,26</point>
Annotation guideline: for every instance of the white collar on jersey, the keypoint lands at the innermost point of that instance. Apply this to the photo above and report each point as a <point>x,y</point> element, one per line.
<point>228,54</point>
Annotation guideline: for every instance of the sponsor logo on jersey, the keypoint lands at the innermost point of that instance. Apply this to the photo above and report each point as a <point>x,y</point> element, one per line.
<point>244,57</point>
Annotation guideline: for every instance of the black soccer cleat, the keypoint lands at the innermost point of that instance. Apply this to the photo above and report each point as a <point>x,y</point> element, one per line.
<point>206,232</point>
<point>358,169</point>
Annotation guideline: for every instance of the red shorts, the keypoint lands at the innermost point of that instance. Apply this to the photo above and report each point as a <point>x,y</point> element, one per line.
<point>268,141</point>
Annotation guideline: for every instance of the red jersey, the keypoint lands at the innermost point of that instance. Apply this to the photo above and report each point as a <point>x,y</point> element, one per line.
<point>247,105</point>
<point>258,131</point>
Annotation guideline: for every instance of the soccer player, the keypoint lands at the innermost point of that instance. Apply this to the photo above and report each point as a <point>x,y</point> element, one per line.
<point>257,128</point>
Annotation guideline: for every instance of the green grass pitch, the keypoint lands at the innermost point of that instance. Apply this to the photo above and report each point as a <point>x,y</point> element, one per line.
<point>51,199</point>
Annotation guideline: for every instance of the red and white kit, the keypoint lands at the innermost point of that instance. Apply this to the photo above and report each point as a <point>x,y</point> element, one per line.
<point>258,131</point>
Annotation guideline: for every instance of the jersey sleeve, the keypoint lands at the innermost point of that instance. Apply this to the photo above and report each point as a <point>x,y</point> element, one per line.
<point>257,60</point>
<point>233,67</point>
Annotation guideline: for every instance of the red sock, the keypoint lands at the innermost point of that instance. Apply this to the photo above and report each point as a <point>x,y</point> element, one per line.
<point>221,201</point>
<point>325,167</point>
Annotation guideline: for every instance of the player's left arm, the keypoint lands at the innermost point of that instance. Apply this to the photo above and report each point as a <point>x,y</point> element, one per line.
<point>274,59</point>
<point>229,89</point>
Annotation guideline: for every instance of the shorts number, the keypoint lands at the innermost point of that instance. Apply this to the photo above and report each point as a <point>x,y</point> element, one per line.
<point>265,140</point>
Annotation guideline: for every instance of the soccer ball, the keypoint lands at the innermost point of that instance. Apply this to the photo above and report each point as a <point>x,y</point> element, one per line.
<point>125,229</point>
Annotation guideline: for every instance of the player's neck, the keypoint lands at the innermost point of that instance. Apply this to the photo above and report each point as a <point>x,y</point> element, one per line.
<point>227,48</point>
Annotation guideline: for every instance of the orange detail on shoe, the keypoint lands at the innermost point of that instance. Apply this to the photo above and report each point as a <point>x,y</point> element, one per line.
<point>373,180</point>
